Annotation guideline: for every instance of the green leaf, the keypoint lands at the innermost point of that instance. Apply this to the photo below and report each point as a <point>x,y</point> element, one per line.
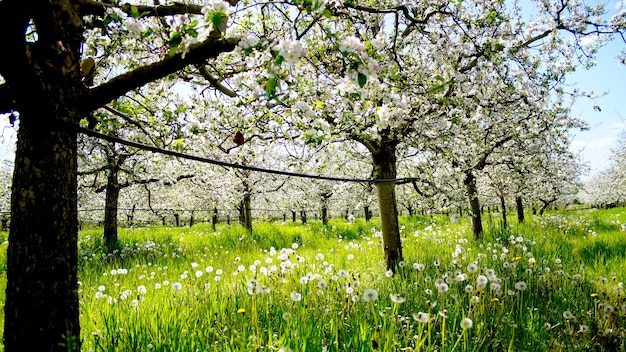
<point>362,79</point>
<point>279,60</point>
<point>439,78</point>
<point>436,89</point>
<point>108,19</point>
<point>216,19</point>
<point>175,40</point>
<point>270,87</point>
<point>134,12</point>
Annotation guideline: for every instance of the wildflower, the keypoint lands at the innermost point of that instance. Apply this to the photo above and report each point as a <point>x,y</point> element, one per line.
<point>322,284</point>
<point>295,296</point>
<point>481,281</point>
<point>521,286</point>
<point>350,256</point>
<point>421,317</point>
<point>583,329</point>
<point>157,286</point>
<point>472,268</point>
<point>209,269</point>
<point>370,295</point>
<point>402,264</point>
<point>177,286</point>
<point>101,288</point>
<point>254,287</point>
<point>442,287</point>
<point>466,323</point>
<point>396,298</point>
<point>389,273</point>
<point>141,289</point>
<point>286,316</point>
<point>134,303</point>
<point>419,266</point>
<point>567,315</point>
<point>319,257</point>
<point>241,311</point>
<point>342,273</point>
<point>355,298</point>
<point>199,273</point>
<point>469,288</point>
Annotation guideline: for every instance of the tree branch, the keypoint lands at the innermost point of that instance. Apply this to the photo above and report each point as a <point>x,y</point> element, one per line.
<point>126,82</point>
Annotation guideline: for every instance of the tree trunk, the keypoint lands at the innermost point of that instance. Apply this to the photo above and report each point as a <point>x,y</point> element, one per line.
<point>324,214</point>
<point>245,213</point>
<point>110,208</point>
<point>503,205</point>
<point>519,206</point>
<point>474,203</point>
<point>41,309</point>
<point>384,163</point>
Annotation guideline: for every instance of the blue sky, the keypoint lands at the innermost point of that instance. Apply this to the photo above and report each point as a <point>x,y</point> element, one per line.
<point>607,77</point>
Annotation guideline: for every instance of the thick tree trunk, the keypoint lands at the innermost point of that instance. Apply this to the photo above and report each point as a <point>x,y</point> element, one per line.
<point>503,205</point>
<point>474,203</point>
<point>384,162</point>
<point>519,206</point>
<point>41,309</point>
<point>245,213</point>
<point>110,209</point>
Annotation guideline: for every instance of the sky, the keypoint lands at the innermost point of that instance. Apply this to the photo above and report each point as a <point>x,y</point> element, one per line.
<point>607,79</point>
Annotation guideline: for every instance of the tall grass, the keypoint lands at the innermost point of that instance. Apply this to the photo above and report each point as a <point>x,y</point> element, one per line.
<point>552,284</point>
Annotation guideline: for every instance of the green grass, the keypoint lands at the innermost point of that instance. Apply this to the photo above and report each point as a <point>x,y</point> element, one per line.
<point>553,284</point>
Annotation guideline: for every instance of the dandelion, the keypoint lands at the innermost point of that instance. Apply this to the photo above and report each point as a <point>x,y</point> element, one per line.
<point>521,286</point>
<point>350,256</point>
<point>469,288</point>
<point>199,273</point>
<point>472,268</point>
<point>467,323</point>
<point>322,284</point>
<point>209,269</point>
<point>583,329</point>
<point>421,317</point>
<point>370,295</point>
<point>389,273</point>
<point>254,287</point>
<point>177,286</point>
<point>295,296</point>
<point>141,289</point>
<point>157,286</point>
<point>286,316</point>
<point>481,281</point>
<point>355,298</point>
<point>442,287</point>
<point>319,257</point>
<point>419,266</point>
<point>134,303</point>
<point>396,298</point>
<point>101,288</point>
<point>342,273</point>
<point>567,315</point>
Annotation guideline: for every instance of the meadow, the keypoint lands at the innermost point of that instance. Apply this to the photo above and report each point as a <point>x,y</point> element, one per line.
<point>554,283</point>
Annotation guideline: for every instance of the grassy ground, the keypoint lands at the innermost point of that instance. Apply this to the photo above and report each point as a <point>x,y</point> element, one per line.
<point>554,283</point>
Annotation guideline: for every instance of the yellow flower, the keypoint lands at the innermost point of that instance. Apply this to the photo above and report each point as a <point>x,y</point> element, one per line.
<point>594,295</point>
<point>241,310</point>
<point>495,299</point>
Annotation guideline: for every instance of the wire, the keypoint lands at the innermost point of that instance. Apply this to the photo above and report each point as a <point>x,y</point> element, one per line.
<point>142,146</point>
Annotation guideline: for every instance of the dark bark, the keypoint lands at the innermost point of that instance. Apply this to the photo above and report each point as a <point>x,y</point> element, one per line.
<point>245,213</point>
<point>324,215</point>
<point>41,311</point>
<point>503,205</point>
<point>474,203</point>
<point>384,163</point>
<point>519,206</point>
<point>110,209</point>
<point>303,216</point>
